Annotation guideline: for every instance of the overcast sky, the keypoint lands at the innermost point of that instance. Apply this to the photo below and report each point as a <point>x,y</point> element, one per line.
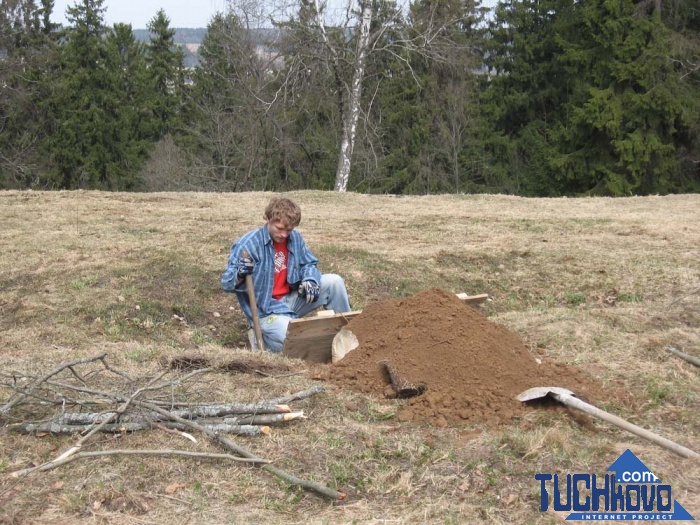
<point>182,13</point>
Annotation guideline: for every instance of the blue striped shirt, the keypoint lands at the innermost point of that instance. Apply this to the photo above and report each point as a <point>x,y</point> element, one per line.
<point>301,266</point>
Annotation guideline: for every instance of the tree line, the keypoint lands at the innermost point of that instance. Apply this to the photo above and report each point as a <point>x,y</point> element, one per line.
<point>532,98</point>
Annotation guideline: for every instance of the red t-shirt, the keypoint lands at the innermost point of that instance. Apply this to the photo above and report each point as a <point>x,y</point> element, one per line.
<point>280,288</point>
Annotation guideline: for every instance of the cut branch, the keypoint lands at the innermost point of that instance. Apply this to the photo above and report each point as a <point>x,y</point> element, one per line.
<point>289,478</point>
<point>101,453</point>
<point>266,419</point>
<point>249,429</point>
<point>298,396</point>
<point>112,415</point>
<point>130,412</point>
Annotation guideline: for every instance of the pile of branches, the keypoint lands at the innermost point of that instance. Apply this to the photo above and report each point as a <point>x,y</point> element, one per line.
<point>64,401</point>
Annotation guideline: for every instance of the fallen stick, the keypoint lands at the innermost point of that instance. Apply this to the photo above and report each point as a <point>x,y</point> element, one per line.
<point>105,397</point>
<point>298,396</point>
<point>286,476</point>
<point>108,418</point>
<point>94,454</point>
<point>251,425</point>
<point>253,413</point>
<point>266,419</point>
<point>235,408</point>
<point>178,433</point>
<point>686,357</point>
<point>276,405</point>
<point>211,411</point>
<point>118,428</point>
<point>76,448</point>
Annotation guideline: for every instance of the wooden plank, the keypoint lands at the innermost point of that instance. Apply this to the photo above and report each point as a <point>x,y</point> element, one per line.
<point>472,300</point>
<point>311,338</point>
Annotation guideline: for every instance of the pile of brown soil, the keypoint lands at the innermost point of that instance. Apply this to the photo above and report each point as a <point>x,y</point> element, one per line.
<point>471,367</point>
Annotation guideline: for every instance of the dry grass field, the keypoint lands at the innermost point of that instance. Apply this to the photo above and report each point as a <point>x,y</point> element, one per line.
<point>604,284</point>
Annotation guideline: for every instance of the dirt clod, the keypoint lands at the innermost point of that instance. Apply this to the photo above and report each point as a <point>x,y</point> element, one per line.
<point>472,368</point>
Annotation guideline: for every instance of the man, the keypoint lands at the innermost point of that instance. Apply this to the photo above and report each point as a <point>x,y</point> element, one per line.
<point>286,281</point>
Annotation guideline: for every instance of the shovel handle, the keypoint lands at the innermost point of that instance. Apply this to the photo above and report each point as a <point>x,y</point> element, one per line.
<point>254,307</point>
<point>626,425</point>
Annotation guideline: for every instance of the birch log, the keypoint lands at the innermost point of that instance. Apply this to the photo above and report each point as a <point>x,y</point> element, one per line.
<point>118,428</point>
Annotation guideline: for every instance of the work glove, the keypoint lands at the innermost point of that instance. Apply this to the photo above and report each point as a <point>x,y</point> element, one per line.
<point>309,289</point>
<point>245,267</point>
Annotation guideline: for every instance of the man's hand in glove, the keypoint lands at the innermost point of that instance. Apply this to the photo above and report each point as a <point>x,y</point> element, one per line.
<point>309,289</point>
<point>245,267</point>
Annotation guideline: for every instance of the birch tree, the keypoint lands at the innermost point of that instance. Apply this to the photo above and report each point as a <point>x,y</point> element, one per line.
<point>346,38</point>
<point>347,144</point>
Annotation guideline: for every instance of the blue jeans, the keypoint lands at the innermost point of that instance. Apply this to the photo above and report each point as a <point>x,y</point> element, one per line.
<point>333,296</point>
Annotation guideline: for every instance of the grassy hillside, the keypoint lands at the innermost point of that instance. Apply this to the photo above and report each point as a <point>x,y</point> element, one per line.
<point>604,284</point>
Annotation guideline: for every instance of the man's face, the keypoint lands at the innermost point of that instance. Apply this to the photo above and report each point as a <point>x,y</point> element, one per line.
<point>279,230</point>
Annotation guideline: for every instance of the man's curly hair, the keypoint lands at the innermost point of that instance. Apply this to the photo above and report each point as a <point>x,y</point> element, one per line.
<point>284,210</point>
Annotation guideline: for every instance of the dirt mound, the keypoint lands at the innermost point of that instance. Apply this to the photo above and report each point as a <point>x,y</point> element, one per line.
<point>471,368</point>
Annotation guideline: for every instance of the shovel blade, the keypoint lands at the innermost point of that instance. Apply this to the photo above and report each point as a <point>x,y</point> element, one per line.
<point>543,391</point>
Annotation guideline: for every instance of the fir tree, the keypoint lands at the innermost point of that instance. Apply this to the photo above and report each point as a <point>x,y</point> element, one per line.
<point>87,141</point>
<point>27,64</point>
<point>165,77</point>
<point>627,126</point>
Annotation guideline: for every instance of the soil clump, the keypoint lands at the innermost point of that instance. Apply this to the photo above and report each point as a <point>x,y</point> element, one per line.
<point>471,367</point>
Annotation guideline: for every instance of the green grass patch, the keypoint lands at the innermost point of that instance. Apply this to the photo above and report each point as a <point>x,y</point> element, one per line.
<point>630,297</point>
<point>164,296</point>
<point>574,298</point>
<point>658,391</point>
<point>83,282</point>
<point>138,232</point>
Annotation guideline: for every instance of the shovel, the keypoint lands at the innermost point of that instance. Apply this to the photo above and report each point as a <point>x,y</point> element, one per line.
<point>568,398</point>
<point>401,386</point>
<point>254,308</point>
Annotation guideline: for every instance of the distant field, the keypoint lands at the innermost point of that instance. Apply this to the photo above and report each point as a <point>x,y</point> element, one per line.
<point>604,284</point>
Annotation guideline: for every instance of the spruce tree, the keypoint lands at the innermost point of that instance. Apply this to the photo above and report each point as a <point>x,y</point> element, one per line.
<point>591,97</point>
<point>165,77</point>
<point>525,93</point>
<point>126,58</point>
<point>312,96</point>
<point>86,140</point>
<point>27,65</point>
<point>636,113</point>
<point>451,151</point>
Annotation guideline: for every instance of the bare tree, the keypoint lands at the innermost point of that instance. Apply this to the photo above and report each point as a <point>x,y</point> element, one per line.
<point>231,100</point>
<point>343,38</point>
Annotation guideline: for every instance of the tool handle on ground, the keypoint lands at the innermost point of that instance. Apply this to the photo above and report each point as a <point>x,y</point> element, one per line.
<point>254,307</point>
<point>626,425</point>
<point>686,357</point>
